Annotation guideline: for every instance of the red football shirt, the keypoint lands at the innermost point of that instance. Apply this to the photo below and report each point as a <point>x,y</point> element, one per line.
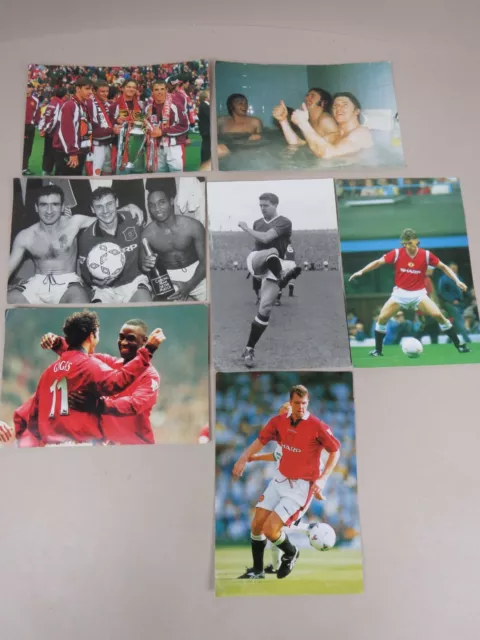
<point>52,420</point>
<point>301,445</point>
<point>126,419</point>
<point>410,272</point>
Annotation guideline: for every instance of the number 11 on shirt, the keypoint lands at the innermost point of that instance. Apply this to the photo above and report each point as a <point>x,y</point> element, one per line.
<point>62,386</point>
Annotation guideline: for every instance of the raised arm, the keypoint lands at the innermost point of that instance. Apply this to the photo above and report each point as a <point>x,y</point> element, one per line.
<point>261,236</point>
<point>371,266</point>
<point>17,254</point>
<point>280,113</point>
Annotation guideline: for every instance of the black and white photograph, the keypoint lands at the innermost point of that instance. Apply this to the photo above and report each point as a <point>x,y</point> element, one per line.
<point>276,285</point>
<point>107,241</point>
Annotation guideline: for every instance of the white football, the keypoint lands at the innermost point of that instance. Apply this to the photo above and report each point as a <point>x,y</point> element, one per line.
<point>321,536</point>
<point>106,261</point>
<point>412,347</point>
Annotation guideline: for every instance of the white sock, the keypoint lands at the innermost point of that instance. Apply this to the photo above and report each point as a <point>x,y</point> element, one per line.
<point>381,328</point>
<point>276,557</point>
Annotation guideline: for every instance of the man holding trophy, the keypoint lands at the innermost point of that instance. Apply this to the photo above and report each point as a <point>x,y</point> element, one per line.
<point>130,147</point>
<point>167,127</point>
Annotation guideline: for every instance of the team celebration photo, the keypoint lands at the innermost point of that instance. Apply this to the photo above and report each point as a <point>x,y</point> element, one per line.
<point>98,121</point>
<point>107,241</point>
<point>116,376</point>
<point>277,296</point>
<point>320,117</point>
<point>286,516</point>
<point>409,287</point>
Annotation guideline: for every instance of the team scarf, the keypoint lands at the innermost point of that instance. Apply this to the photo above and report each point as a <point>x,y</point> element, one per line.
<point>125,138</point>
<point>154,143</point>
<point>102,114</point>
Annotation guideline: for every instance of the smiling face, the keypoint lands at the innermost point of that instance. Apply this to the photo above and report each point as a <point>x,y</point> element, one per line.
<point>130,90</point>
<point>160,206</point>
<point>49,208</point>
<point>313,99</point>
<point>102,93</point>
<point>240,107</point>
<point>159,93</point>
<point>105,208</point>
<point>344,110</point>
<point>130,339</point>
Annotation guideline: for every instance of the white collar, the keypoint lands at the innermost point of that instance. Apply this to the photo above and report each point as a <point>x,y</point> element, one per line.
<point>269,221</point>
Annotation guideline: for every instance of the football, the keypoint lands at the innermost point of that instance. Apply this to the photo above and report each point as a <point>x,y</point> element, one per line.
<point>106,261</point>
<point>321,536</point>
<point>412,347</point>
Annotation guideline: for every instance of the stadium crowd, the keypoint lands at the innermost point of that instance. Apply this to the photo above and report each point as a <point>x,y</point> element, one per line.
<point>116,119</point>
<point>392,187</point>
<point>242,409</point>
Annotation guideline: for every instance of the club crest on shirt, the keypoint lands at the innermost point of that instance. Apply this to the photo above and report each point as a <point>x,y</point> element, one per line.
<point>411,264</point>
<point>130,234</point>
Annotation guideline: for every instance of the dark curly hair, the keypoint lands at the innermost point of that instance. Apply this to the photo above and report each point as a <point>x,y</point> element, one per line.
<point>79,326</point>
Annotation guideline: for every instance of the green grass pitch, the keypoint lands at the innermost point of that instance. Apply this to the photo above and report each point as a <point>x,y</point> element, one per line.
<point>192,160</point>
<point>432,354</point>
<point>329,572</point>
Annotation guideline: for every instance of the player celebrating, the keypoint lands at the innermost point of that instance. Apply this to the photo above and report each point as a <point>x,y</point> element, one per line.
<point>113,226</point>
<point>72,135</point>
<point>167,128</point>
<point>130,142</point>
<point>272,237</point>
<point>125,417</point>
<point>103,115</point>
<point>46,128</point>
<point>177,240</point>
<point>52,420</point>
<point>411,266</point>
<point>302,437</point>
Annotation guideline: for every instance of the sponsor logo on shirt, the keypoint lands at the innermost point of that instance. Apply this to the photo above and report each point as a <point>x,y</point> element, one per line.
<point>132,247</point>
<point>292,449</point>
<point>414,271</point>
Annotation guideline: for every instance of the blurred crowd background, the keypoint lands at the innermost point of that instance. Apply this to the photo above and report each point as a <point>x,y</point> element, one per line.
<point>244,404</point>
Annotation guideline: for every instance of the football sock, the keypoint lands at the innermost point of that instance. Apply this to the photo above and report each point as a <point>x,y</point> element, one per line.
<point>275,266</point>
<point>258,548</point>
<point>276,556</point>
<point>258,327</point>
<point>452,334</point>
<point>284,544</point>
<point>380,331</point>
<point>290,289</point>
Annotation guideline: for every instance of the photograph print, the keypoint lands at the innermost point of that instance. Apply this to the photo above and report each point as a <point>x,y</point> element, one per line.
<point>409,287</point>
<point>107,241</point>
<point>105,376</point>
<point>286,515</point>
<point>276,287</point>
<point>320,117</point>
<point>98,121</point>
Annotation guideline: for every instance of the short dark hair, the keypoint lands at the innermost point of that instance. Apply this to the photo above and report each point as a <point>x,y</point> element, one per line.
<point>271,197</point>
<point>351,97</point>
<point>231,99</point>
<point>129,81</point>
<point>326,99</point>
<point>101,83</point>
<point>101,192</point>
<point>137,323</point>
<point>168,186</point>
<point>49,190</point>
<point>408,234</point>
<point>300,390</point>
<point>79,326</point>
<point>60,92</point>
<point>82,81</point>
<point>159,82</point>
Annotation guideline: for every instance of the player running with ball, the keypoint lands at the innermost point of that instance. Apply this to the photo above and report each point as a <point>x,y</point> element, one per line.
<point>411,266</point>
<point>302,437</point>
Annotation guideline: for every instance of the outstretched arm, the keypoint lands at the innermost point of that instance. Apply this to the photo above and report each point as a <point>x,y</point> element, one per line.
<point>280,113</point>
<point>453,276</point>
<point>371,266</point>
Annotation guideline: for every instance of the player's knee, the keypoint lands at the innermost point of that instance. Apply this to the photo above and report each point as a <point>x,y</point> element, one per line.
<point>271,529</point>
<point>15,296</point>
<point>76,293</point>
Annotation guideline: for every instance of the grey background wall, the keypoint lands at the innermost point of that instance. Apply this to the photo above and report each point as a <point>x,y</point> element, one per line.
<point>117,543</point>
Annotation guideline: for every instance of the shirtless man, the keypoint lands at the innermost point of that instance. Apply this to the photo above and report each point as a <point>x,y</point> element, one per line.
<point>52,245</point>
<point>178,240</point>
<point>353,137</point>
<point>238,121</point>
<point>318,103</point>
